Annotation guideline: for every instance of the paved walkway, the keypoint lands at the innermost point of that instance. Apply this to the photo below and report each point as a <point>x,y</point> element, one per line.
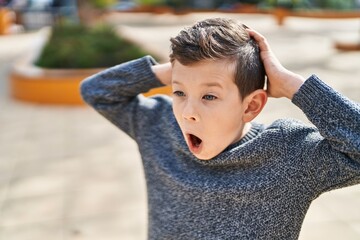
<point>66,173</point>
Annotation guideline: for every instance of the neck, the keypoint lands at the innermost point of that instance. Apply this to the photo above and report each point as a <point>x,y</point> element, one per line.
<point>246,129</point>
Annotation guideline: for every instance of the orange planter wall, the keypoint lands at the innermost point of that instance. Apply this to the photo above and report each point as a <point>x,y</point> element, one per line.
<point>56,86</point>
<point>47,90</point>
<point>161,90</point>
<point>6,20</point>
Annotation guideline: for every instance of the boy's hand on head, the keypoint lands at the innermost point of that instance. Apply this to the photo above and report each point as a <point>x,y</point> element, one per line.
<point>163,72</point>
<point>281,82</point>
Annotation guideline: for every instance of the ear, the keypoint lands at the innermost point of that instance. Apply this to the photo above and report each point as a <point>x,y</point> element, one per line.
<point>253,104</point>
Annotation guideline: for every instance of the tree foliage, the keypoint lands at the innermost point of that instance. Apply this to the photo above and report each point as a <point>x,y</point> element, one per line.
<point>77,46</point>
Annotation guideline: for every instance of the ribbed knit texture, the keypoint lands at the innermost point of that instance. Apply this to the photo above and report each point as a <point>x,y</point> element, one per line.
<point>258,188</point>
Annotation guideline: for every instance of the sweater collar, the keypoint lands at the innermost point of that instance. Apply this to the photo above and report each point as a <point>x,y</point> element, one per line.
<point>232,154</point>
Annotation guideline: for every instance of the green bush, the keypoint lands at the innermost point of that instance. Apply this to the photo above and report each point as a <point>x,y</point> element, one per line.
<point>76,46</point>
<point>102,3</point>
<point>151,2</point>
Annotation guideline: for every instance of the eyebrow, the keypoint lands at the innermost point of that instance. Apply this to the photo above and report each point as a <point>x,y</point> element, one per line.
<point>208,84</point>
<point>212,84</point>
<point>176,82</point>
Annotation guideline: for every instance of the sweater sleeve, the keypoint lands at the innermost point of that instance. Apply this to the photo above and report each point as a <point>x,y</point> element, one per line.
<point>335,157</point>
<point>116,94</point>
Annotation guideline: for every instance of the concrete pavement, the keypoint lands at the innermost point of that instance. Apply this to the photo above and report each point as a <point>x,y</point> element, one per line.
<point>66,173</point>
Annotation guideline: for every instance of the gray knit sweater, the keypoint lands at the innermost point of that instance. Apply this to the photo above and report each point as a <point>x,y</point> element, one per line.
<point>257,188</point>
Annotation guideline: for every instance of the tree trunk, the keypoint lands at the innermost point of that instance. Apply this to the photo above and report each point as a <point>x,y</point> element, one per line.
<point>88,14</point>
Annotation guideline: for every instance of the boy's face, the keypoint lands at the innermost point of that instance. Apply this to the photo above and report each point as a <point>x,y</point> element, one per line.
<point>207,105</point>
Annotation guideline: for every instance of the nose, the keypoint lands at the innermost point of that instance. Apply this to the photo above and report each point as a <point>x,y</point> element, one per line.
<point>190,112</point>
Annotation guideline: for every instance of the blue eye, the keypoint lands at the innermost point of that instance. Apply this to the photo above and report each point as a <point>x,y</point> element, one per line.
<point>179,93</point>
<point>209,97</point>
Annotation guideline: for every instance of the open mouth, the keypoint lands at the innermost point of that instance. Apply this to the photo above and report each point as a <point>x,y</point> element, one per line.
<point>195,143</point>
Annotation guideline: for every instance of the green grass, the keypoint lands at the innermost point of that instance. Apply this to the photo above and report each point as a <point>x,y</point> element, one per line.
<point>75,46</point>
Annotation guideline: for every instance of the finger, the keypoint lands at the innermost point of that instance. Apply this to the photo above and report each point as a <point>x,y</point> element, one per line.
<point>260,39</point>
<point>269,89</point>
<point>265,51</point>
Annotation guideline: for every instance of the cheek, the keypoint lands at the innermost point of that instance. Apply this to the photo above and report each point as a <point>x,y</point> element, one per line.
<point>227,121</point>
<point>176,110</point>
<point>228,112</point>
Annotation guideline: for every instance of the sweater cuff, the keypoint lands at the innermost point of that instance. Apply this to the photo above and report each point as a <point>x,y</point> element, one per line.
<point>145,74</point>
<point>312,92</point>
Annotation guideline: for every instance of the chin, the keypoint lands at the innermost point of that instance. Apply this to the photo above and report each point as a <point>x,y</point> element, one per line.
<point>205,156</point>
<point>208,152</point>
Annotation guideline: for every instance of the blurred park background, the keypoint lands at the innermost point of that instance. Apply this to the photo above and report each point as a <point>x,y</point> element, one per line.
<point>67,173</point>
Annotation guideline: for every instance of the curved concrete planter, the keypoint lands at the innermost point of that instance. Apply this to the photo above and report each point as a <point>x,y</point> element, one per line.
<point>281,13</point>
<point>7,19</point>
<point>48,86</point>
<point>51,86</point>
<point>347,46</point>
